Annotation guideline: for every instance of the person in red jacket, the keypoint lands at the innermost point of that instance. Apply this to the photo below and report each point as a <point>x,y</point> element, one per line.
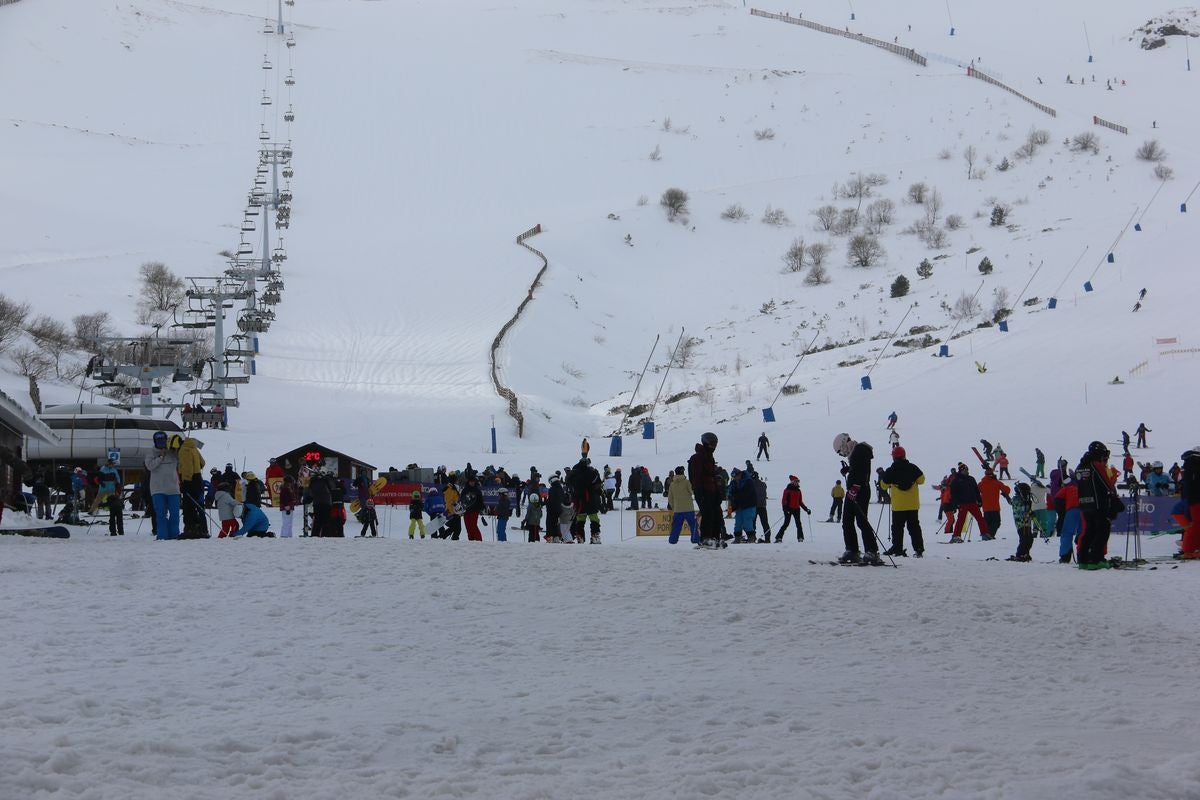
<point>793,502</point>
<point>990,490</point>
<point>702,473</point>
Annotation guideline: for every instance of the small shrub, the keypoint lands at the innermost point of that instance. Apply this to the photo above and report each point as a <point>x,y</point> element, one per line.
<point>925,269</point>
<point>936,238</point>
<point>826,217</point>
<point>917,192</point>
<point>999,215</point>
<point>965,307</point>
<point>817,275</point>
<point>864,251</point>
<point>1163,172</point>
<point>1004,166</point>
<point>846,222</point>
<point>985,266</point>
<point>765,134</point>
<point>791,389</point>
<point>666,125</point>
<point>643,199</point>
<point>1086,142</point>
<point>656,153</point>
<point>817,253</point>
<point>900,286</point>
<point>1038,136</point>
<point>775,216</point>
<point>674,201</point>
<point>1151,150</point>
<point>954,222</point>
<point>735,213</point>
<point>944,154</point>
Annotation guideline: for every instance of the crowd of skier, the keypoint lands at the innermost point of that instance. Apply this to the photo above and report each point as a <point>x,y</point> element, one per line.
<point>717,506</point>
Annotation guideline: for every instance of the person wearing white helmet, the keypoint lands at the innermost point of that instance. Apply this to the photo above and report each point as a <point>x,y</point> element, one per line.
<point>1157,483</point>
<point>163,467</point>
<point>858,499</point>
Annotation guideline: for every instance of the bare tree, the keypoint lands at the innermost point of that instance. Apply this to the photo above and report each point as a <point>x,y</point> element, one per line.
<point>970,154</point>
<point>794,259</point>
<point>917,191</point>
<point>735,213</point>
<point>847,221</point>
<point>1086,142</point>
<point>31,363</point>
<point>91,327</point>
<point>775,216</point>
<point>879,215</point>
<point>826,217</point>
<point>1163,172</point>
<point>674,201</point>
<point>1000,308</point>
<point>965,307</point>
<point>864,251</point>
<point>933,207</point>
<point>12,321</point>
<point>161,288</point>
<point>817,251</point>
<point>52,338</point>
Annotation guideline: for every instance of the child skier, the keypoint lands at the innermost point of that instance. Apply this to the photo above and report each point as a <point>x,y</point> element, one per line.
<point>533,517</point>
<point>415,508</point>
<point>226,511</point>
<point>116,512</point>
<point>1022,511</point>
<point>369,519</point>
<point>503,512</point>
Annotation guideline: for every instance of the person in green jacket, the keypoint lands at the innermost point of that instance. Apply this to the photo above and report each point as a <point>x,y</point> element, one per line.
<point>901,480</point>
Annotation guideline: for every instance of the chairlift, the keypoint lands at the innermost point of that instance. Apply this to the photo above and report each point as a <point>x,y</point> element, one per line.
<point>288,172</point>
<point>289,115</point>
<point>247,224</point>
<point>245,248</point>
<point>256,196</point>
<point>268,27</point>
<point>286,152</point>
<point>289,2</point>
<point>266,63</point>
<point>283,223</point>
<point>289,80</point>
<point>182,375</point>
<point>262,133</point>
<point>280,255</point>
<point>271,298</point>
<point>285,196</point>
<point>251,211</point>
<point>291,41</point>
<point>266,99</point>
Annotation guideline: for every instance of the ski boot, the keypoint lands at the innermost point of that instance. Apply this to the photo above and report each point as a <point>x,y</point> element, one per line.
<point>872,558</point>
<point>897,552</point>
<point>956,540</point>
<point>849,557</point>
<point>595,539</point>
<point>765,540</point>
<point>918,554</point>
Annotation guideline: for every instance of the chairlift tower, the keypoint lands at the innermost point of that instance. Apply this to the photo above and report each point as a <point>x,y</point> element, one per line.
<point>216,296</point>
<point>145,359</point>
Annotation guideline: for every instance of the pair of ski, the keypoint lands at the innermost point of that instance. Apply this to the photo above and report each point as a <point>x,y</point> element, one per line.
<point>859,563</point>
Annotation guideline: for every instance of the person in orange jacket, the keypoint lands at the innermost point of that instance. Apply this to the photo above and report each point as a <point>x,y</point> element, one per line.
<point>1068,498</point>
<point>946,503</point>
<point>990,489</point>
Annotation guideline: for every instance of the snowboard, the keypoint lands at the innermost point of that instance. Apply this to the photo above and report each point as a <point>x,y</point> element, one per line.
<point>53,532</point>
<point>434,525</point>
<point>372,490</point>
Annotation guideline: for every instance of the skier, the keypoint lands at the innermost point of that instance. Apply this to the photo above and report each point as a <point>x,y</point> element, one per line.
<point>1066,503</point>
<point>584,448</point>
<point>647,484</point>
<point>287,506</point>
<point>1141,432</point>
<point>702,473</point>
<point>226,511</point>
<point>1022,508</point>
<point>556,500</point>
<point>894,438</point>
<point>586,494</point>
<point>1189,490</point>
<point>679,501</point>
<point>634,487</point>
<point>503,512</point>
<point>472,504</point>
<point>742,498</point>
<point>1002,466</point>
<point>610,488</point>
<point>760,498</point>
<point>838,493</point>
<point>902,479</point>
<point>163,467</point>
<point>369,518</point>
<point>792,502</point>
<point>1098,503</point>
<point>892,420</point>
<point>764,447</point>
<point>1157,484</point>
<point>988,450</point>
<point>1125,441</point>
<point>990,490</point>
<point>116,513</point>
<point>964,493</point>
<point>533,517</point>
<point>1040,465</point>
<point>858,499</point>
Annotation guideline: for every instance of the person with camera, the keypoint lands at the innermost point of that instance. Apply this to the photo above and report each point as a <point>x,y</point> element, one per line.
<point>1098,503</point>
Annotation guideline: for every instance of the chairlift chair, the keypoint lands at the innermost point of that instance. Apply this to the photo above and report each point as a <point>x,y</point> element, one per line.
<point>289,115</point>
<point>286,151</point>
<point>266,63</point>
<point>286,195</point>
<point>263,135</point>
<point>247,224</point>
<point>291,41</point>
<point>268,27</point>
<point>279,256</point>
<point>289,80</point>
<point>287,172</point>
<point>289,2</point>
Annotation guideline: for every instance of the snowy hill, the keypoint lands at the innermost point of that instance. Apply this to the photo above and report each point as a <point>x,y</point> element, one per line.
<point>415,170</point>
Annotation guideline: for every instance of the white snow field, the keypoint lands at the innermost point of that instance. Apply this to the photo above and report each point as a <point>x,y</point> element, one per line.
<point>428,135</point>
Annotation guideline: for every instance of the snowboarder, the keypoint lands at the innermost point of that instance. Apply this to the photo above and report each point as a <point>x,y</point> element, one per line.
<point>163,467</point>
<point>1125,441</point>
<point>792,503</point>
<point>988,450</point>
<point>760,510</point>
<point>858,499</point>
<point>702,473</point>
<point>556,499</point>
<point>764,447</point>
<point>584,448</point>
<point>1141,432</point>
<point>901,479</point>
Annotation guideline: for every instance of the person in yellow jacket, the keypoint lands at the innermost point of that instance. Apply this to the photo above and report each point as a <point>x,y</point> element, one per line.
<point>838,493</point>
<point>901,479</point>
<point>191,484</point>
<point>453,527</point>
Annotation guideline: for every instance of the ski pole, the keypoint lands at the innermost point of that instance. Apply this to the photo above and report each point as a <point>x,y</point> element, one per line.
<point>875,533</point>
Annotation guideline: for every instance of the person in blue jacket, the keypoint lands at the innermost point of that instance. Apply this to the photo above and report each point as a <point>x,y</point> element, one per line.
<point>1157,484</point>
<point>254,522</point>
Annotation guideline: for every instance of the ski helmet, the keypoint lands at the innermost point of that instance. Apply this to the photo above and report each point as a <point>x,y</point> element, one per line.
<point>503,491</point>
<point>1157,465</point>
<point>708,439</point>
<point>160,440</point>
<point>1097,451</point>
<point>416,493</point>
<point>898,453</point>
<point>843,444</point>
<point>1193,453</point>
